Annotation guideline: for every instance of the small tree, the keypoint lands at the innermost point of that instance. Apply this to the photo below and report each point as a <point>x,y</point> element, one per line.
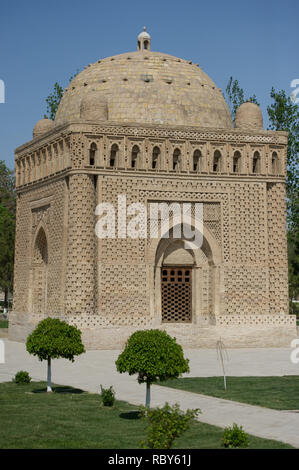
<point>153,355</point>
<point>52,339</point>
<point>235,96</point>
<point>53,101</point>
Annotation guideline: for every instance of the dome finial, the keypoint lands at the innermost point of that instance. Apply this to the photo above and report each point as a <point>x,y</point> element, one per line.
<point>143,41</point>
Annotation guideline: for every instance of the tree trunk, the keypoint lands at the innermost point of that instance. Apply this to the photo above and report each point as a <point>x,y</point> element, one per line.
<point>5,300</point>
<point>148,394</point>
<point>49,389</point>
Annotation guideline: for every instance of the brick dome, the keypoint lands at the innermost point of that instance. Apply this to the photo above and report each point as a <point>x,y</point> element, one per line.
<point>145,87</point>
<point>42,126</point>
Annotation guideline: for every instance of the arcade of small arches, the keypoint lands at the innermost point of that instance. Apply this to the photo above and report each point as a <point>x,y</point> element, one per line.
<point>198,163</point>
<point>203,158</point>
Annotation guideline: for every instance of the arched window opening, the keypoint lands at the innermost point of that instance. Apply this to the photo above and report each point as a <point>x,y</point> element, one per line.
<point>155,158</point>
<point>237,162</point>
<point>92,154</point>
<point>217,161</point>
<point>256,163</point>
<point>113,155</point>
<point>39,273</point>
<point>176,160</point>
<point>135,156</point>
<point>275,163</point>
<point>145,44</point>
<point>41,248</point>
<point>196,160</point>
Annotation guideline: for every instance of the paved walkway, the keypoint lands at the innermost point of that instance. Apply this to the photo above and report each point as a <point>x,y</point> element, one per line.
<point>97,367</point>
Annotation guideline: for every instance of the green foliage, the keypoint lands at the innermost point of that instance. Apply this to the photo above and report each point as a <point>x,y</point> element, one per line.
<point>7,229</point>
<point>53,101</point>
<point>234,436</point>
<point>165,424</point>
<point>53,338</point>
<point>22,377</point>
<point>235,96</point>
<point>108,396</point>
<point>284,116</point>
<point>54,98</point>
<point>7,242</point>
<point>279,393</point>
<point>7,188</point>
<point>153,355</point>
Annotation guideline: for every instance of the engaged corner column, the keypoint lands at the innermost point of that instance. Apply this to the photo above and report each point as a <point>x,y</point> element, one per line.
<point>81,247</point>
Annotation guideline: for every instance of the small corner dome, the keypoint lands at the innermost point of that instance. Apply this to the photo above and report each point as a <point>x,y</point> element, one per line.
<point>249,116</point>
<point>42,126</point>
<point>94,107</point>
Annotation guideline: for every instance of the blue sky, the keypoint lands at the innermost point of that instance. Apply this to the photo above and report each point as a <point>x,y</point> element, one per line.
<point>44,42</point>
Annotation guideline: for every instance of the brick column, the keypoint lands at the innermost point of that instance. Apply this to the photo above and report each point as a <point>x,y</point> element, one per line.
<point>81,250</point>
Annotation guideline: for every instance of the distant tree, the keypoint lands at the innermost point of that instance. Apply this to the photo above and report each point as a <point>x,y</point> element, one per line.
<point>7,188</point>
<point>7,229</point>
<point>153,355</point>
<point>52,339</point>
<point>7,245</point>
<point>235,96</point>
<point>54,98</point>
<point>284,116</point>
<point>53,101</point>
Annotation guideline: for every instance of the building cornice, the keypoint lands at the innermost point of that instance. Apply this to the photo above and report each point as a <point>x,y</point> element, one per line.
<point>152,131</point>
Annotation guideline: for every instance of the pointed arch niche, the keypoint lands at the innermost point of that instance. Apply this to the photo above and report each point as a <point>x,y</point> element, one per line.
<point>174,267</point>
<point>39,269</point>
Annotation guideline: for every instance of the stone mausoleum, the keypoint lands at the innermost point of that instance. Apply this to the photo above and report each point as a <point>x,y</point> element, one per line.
<point>155,128</point>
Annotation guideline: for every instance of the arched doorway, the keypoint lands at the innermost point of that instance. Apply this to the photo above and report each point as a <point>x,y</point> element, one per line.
<point>39,273</point>
<point>176,283</point>
<point>187,285</point>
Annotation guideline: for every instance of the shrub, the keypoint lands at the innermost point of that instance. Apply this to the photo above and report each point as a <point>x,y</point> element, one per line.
<point>153,355</point>
<point>52,339</point>
<point>108,396</point>
<point>22,377</point>
<point>234,436</point>
<point>165,425</point>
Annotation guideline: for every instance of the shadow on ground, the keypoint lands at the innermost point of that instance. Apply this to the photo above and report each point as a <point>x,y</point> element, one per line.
<point>130,415</point>
<point>57,389</point>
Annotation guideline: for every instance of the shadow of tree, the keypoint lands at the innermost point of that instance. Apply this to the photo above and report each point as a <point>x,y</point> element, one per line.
<point>60,389</point>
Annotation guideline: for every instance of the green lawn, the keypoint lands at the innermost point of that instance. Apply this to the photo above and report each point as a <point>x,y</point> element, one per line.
<point>279,393</point>
<point>70,418</point>
<point>3,323</point>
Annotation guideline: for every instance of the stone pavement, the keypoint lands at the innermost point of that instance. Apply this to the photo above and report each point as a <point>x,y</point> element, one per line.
<point>97,367</point>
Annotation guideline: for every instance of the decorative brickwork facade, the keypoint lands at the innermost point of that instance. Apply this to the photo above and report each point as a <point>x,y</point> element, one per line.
<point>155,129</point>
